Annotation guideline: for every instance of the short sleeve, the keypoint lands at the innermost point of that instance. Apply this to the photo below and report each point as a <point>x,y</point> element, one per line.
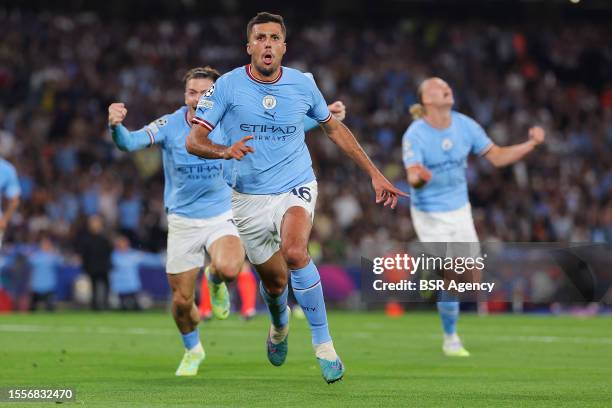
<point>479,142</point>
<point>156,130</point>
<point>12,188</point>
<point>318,110</point>
<point>213,104</point>
<point>310,124</point>
<point>411,149</point>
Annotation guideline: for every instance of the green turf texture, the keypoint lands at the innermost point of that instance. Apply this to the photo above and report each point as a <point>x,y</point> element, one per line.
<point>128,360</point>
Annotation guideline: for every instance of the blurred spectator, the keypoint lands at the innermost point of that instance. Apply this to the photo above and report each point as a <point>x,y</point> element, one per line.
<point>59,72</point>
<point>95,250</point>
<point>124,277</point>
<point>130,208</point>
<point>44,261</point>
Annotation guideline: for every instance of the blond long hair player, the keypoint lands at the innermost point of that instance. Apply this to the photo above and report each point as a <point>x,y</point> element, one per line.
<point>435,149</point>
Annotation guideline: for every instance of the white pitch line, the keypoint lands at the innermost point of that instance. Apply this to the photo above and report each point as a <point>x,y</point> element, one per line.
<point>237,332</point>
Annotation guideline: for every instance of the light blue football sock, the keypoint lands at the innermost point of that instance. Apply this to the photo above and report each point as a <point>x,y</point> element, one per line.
<point>277,306</point>
<point>190,340</point>
<point>448,307</point>
<point>306,284</point>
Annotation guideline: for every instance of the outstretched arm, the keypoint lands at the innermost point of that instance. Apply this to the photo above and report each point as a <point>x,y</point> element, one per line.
<point>504,156</point>
<point>200,145</point>
<point>342,136</point>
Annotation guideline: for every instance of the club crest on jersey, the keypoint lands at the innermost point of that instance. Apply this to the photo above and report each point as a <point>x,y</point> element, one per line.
<point>161,122</point>
<point>209,91</point>
<point>447,144</point>
<point>268,102</point>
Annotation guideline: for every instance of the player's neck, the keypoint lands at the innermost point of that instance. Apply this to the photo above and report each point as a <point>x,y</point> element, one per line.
<point>190,114</point>
<point>438,118</point>
<point>262,77</point>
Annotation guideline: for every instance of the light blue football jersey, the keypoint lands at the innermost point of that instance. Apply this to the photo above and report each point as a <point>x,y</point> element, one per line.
<point>194,187</point>
<point>444,153</point>
<point>9,183</point>
<point>273,112</point>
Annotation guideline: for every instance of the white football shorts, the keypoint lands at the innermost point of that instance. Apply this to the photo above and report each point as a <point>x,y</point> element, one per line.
<point>259,218</point>
<point>190,238</point>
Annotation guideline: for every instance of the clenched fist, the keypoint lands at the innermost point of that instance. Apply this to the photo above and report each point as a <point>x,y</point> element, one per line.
<point>338,110</point>
<point>537,135</point>
<point>116,113</point>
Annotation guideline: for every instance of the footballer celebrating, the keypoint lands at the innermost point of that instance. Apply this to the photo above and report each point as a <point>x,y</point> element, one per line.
<point>197,201</point>
<point>435,150</point>
<point>261,107</point>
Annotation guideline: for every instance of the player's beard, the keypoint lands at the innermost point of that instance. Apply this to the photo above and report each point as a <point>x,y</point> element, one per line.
<point>266,70</point>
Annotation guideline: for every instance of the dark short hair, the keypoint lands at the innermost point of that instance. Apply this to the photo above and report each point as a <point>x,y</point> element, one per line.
<point>202,73</point>
<point>265,17</point>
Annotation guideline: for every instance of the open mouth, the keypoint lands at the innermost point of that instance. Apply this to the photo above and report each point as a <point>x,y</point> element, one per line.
<point>267,58</point>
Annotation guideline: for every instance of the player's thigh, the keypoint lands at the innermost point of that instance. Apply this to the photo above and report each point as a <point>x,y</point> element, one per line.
<point>186,243</point>
<point>183,285</point>
<point>295,228</point>
<point>294,216</point>
<point>253,216</point>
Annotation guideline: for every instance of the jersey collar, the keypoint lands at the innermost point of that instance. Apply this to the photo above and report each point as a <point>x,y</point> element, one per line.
<point>250,75</point>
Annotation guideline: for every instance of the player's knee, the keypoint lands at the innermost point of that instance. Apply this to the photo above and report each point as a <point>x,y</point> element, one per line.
<point>228,269</point>
<point>275,286</point>
<point>182,302</point>
<point>296,256</point>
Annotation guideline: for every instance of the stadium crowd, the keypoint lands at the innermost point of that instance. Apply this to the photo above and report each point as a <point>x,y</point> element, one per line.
<point>59,73</point>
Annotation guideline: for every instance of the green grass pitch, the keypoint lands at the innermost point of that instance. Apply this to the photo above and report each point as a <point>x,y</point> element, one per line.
<point>128,360</point>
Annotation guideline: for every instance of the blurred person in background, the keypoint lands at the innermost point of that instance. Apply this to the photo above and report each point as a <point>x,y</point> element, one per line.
<point>125,276</point>
<point>95,249</point>
<point>435,149</point>
<point>44,261</point>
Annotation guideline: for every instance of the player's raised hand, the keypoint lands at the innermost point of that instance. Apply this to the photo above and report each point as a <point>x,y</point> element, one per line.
<point>338,110</point>
<point>116,113</point>
<point>386,192</point>
<point>239,149</point>
<point>537,135</point>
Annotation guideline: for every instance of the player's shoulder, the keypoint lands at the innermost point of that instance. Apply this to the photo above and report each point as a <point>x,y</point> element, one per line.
<point>298,77</point>
<point>167,121</point>
<point>6,166</point>
<point>174,118</point>
<point>235,74</point>
<point>416,129</point>
<point>463,119</point>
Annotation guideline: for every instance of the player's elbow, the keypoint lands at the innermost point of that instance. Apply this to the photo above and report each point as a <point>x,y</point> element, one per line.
<point>497,161</point>
<point>495,156</point>
<point>190,144</point>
